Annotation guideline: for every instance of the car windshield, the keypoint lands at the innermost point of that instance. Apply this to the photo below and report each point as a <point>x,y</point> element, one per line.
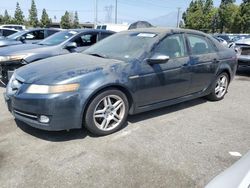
<point>57,38</point>
<point>123,46</point>
<point>16,35</point>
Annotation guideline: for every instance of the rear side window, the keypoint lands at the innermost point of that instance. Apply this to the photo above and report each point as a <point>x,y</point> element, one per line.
<point>199,45</point>
<point>172,46</point>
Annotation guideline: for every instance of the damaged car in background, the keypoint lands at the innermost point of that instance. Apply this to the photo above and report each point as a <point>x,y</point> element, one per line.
<point>127,73</point>
<point>242,47</point>
<point>63,42</point>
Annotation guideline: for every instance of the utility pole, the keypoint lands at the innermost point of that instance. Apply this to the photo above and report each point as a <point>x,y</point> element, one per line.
<point>178,17</point>
<point>116,11</point>
<point>96,12</point>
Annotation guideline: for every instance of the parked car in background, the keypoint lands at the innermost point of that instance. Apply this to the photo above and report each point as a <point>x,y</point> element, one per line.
<point>4,32</point>
<point>14,26</point>
<point>242,47</point>
<point>222,41</point>
<point>129,72</point>
<point>63,42</point>
<point>27,36</point>
<point>225,37</point>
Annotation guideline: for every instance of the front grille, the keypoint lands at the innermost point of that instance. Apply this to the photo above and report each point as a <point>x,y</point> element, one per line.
<point>245,51</point>
<point>25,114</point>
<point>8,67</point>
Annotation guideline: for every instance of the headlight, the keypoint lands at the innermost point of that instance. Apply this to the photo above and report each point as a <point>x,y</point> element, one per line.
<point>46,89</point>
<point>13,57</point>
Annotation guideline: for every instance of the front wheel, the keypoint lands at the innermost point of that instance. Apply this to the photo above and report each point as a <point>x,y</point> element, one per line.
<point>220,87</point>
<point>107,112</point>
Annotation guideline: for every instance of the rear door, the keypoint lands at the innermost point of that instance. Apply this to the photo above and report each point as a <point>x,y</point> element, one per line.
<point>204,62</point>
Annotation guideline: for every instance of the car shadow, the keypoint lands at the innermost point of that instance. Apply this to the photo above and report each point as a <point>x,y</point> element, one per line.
<point>63,136</point>
<point>166,110</point>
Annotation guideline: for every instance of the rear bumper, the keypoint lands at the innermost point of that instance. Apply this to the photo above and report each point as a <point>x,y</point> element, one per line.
<point>63,110</point>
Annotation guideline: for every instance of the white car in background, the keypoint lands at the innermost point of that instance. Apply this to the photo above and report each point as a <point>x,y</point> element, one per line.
<point>236,176</point>
<point>13,26</point>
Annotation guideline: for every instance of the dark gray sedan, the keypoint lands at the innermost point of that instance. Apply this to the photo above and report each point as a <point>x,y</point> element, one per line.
<point>60,43</point>
<point>127,73</point>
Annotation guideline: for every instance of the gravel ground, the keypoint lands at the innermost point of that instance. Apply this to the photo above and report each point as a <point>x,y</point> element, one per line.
<point>185,145</point>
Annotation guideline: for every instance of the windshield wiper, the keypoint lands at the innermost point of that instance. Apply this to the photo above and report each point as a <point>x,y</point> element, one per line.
<point>98,55</point>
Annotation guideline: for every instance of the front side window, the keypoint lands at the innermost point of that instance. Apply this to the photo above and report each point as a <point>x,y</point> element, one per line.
<point>35,35</point>
<point>173,46</point>
<point>199,45</point>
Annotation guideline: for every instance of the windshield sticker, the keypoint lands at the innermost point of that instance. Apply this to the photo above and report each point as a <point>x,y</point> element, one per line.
<point>73,32</point>
<point>149,35</point>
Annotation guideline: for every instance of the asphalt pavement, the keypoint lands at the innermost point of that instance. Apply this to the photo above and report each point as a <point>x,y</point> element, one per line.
<point>184,145</point>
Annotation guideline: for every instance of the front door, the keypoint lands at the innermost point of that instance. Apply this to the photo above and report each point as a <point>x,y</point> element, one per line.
<point>161,82</point>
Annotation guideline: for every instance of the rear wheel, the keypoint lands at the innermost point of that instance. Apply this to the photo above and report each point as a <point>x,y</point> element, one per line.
<point>107,112</point>
<point>220,87</point>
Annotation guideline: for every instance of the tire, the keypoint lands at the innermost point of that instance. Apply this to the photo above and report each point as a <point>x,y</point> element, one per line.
<point>107,112</point>
<point>219,88</point>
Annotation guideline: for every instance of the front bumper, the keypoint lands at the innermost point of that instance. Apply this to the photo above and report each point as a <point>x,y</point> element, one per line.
<point>64,110</point>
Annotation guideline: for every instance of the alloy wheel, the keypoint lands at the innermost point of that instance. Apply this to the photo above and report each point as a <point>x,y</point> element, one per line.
<point>221,86</point>
<point>109,112</point>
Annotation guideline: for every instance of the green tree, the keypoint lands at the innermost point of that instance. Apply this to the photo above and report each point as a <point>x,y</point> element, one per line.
<point>6,18</point>
<point>76,21</point>
<point>45,20</point>
<point>227,13</point>
<point>1,19</point>
<point>199,15</point>
<point>65,21</point>
<point>18,17</point>
<point>33,19</point>
<point>245,16</point>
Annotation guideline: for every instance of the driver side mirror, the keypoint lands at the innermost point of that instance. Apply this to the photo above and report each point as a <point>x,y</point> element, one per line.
<point>158,59</point>
<point>71,45</point>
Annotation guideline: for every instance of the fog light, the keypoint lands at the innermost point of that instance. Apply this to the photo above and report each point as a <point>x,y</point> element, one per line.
<point>44,119</point>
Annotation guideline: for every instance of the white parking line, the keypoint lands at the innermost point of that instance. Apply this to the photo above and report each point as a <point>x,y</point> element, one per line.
<point>235,154</point>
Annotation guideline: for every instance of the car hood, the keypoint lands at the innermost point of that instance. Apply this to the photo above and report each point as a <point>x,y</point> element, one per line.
<point>8,42</point>
<point>58,69</point>
<point>19,49</point>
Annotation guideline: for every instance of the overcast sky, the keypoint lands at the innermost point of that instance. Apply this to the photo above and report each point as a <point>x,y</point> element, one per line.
<point>128,10</point>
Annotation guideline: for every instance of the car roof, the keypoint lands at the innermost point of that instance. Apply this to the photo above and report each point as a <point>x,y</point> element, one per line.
<point>165,30</point>
<point>36,29</point>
